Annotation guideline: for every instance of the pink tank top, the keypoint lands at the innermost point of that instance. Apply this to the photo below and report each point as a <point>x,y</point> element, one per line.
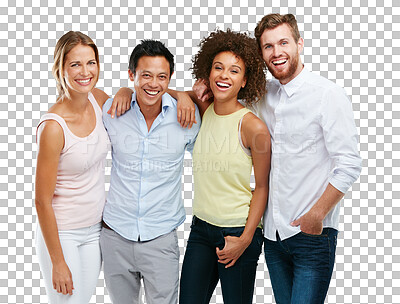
<point>79,195</point>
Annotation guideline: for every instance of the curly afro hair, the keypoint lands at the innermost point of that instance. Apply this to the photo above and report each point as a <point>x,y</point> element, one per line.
<point>243,46</point>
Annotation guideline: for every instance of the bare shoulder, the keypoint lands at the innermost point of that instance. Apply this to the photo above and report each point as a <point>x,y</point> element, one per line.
<point>51,134</point>
<point>58,108</point>
<point>255,135</point>
<point>100,96</point>
<point>252,124</point>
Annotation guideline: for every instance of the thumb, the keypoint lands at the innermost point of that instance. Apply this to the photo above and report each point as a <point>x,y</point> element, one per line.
<point>295,223</point>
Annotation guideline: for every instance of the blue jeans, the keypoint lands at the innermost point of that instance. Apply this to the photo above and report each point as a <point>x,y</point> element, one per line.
<point>301,266</point>
<point>201,270</point>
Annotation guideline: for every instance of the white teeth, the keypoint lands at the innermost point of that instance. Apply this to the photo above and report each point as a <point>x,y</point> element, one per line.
<point>83,81</point>
<point>225,85</point>
<point>151,92</point>
<point>279,61</point>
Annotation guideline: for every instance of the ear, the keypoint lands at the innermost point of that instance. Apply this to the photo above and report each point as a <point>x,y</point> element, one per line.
<point>170,76</point>
<point>244,82</point>
<point>131,75</point>
<point>300,45</point>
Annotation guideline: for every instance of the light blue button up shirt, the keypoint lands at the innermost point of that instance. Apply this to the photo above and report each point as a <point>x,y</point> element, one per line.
<point>144,200</point>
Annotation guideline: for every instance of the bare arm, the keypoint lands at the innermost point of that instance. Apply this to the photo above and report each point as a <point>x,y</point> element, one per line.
<point>185,108</point>
<point>188,97</point>
<point>255,135</point>
<point>50,146</point>
<point>100,96</point>
<point>121,102</point>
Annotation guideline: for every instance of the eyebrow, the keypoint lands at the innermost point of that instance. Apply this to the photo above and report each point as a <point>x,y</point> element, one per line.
<point>223,64</point>
<point>149,72</point>
<point>269,43</point>
<point>78,61</point>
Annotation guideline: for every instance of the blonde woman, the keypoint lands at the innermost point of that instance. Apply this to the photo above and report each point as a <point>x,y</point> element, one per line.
<point>70,195</point>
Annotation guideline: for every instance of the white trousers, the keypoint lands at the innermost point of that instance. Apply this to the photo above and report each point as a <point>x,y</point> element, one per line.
<point>82,254</point>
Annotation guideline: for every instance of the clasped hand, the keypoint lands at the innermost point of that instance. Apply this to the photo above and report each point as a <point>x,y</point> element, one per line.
<point>233,249</point>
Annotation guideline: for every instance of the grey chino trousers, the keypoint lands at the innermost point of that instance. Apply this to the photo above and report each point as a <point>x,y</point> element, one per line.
<point>127,262</point>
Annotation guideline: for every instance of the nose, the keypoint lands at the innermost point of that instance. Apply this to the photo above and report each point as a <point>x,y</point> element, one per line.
<point>85,70</point>
<point>277,51</point>
<point>224,73</point>
<point>153,82</point>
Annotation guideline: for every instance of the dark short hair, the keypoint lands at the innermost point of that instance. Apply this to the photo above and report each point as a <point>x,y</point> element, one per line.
<point>149,47</point>
<point>271,21</point>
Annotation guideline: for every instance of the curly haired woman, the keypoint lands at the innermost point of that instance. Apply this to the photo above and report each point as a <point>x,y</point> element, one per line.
<point>226,239</point>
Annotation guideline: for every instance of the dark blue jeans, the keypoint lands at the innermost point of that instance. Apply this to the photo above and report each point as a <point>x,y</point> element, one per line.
<point>301,266</point>
<point>201,270</point>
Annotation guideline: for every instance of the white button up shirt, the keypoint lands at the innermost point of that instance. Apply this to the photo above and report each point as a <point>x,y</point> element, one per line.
<point>314,142</point>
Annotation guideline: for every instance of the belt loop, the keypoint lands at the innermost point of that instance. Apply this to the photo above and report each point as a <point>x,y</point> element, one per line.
<point>195,220</point>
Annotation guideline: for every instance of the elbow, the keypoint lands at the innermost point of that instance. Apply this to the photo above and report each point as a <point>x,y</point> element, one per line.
<point>41,203</point>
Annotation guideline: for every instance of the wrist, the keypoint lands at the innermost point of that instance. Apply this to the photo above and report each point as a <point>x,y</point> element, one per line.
<point>246,239</point>
<point>317,214</point>
<point>58,262</point>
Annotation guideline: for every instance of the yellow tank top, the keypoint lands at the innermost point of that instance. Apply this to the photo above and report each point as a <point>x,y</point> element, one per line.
<point>221,171</point>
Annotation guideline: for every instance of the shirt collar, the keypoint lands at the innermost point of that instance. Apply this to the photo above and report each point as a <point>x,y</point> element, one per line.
<point>292,86</point>
<point>166,102</point>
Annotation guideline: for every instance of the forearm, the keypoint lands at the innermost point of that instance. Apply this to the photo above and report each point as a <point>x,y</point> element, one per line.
<point>125,90</point>
<point>257,208</point>
<point>48,226</point>
<point>192,95</point>
<point>326,202</point>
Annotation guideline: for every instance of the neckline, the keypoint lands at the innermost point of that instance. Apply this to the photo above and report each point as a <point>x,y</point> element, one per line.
<point>95,125</point>
<point>226,115</point>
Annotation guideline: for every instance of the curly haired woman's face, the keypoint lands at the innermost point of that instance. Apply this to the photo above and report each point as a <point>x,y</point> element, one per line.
<point>227,76</point>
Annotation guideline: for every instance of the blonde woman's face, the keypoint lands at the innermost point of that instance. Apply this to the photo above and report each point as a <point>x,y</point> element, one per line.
<point>81,69</point>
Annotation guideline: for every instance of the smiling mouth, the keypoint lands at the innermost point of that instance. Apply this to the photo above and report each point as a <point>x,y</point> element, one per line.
<point>223,85</point>
<point>151,92</point>
<point>84,81</point>
<point>279,62</point>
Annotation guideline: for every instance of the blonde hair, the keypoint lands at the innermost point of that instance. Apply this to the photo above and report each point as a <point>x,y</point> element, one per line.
<point>271,21</point>
<point>65,44</point>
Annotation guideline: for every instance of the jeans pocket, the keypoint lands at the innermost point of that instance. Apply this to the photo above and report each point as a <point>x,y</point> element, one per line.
<point>232,231</point>
<point>258,236</point>
<point>314,235</point>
